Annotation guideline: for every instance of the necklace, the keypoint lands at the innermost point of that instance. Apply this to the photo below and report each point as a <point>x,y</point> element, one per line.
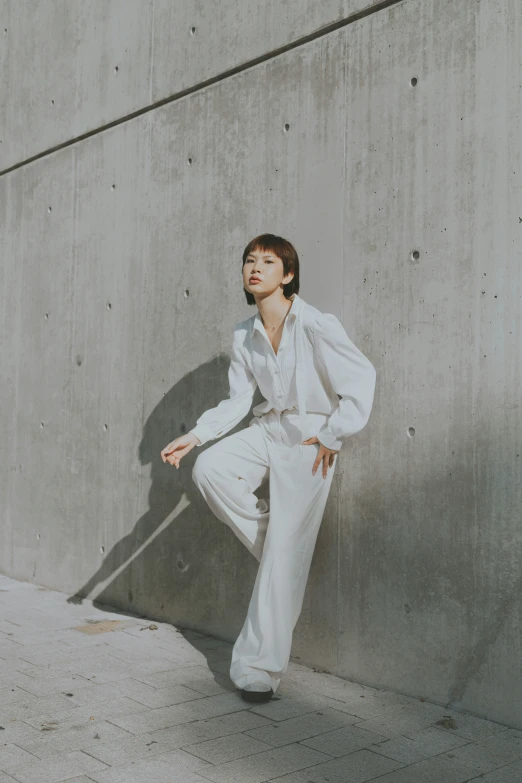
<point>276,327</point>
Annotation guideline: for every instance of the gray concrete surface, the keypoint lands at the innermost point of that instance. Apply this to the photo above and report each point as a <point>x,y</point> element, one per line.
<point>91,694</point>
<point>73,68</point>
<point>120,284</point>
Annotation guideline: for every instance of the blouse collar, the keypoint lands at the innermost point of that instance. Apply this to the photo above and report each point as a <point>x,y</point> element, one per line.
<point>293,312</point>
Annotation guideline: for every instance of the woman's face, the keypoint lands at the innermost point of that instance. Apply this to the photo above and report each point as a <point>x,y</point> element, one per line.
<point>267,269</point>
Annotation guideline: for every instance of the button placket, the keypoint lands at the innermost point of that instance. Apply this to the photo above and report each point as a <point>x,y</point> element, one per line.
<point>277,369</point>
<point>275,373</point>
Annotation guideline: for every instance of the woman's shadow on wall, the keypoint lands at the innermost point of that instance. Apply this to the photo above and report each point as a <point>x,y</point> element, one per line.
<point>179,564</point>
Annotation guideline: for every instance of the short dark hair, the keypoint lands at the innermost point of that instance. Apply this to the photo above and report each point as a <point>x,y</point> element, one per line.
<point>284,250</point>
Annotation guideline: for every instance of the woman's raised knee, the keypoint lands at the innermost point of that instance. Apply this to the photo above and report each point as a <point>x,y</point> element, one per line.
<point>201,466</point>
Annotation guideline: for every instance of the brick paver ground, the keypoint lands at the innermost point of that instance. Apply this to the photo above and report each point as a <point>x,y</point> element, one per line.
<point>90,695</point>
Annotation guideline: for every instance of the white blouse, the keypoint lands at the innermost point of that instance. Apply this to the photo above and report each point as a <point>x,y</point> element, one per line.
<point>317,369</point>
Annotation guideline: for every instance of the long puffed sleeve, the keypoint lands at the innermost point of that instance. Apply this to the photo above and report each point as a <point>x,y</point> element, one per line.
<point>217,421</point>
<point>352,377</point>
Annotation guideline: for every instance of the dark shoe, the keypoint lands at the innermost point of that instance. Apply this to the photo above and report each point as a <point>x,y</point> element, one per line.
<point>257,692</point>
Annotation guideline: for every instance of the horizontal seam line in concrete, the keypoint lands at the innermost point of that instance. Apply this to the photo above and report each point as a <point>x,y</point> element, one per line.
<point>322,31</point>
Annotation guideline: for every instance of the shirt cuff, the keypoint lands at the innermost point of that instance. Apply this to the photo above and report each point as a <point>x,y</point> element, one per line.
<point>330,441</point>
<point>203,433</point>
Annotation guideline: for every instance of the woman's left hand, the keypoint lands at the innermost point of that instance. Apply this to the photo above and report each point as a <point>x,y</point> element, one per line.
<point>325,455</point>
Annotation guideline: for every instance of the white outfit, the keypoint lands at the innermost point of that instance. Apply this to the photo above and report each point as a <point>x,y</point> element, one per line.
<point>319,383</point>
<point>327,366</point>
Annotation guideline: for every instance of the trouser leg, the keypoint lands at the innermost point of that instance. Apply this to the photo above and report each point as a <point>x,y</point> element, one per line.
<point>227,474</point>
<point>297,502</point>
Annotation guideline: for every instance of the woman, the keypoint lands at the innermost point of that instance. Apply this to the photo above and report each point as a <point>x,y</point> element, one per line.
<point>318,389</point>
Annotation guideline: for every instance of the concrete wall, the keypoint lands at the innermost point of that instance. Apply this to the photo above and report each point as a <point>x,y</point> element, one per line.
<point>73,68</point>
<point>120,282</point>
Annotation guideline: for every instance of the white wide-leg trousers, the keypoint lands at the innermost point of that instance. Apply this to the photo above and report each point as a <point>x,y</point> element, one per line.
<point>281,534</point>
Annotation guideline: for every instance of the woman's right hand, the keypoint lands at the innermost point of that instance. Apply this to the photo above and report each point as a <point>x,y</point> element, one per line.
<point>177,449</point>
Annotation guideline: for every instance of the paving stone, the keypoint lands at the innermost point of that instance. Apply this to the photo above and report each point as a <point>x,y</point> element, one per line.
<point>471,726</point>
<point>163,632</point>
<point>87,645</point>
<point>222,666</point>
<point>63,635</point>
<point>266,765</point>
<point>136,690</point>
<point>59,768</point>
<point>12,695</point>
<point>8,628</point>
<point>509,738</point>
<point>142,642</point>
<point>311,700</point>
<point>217,656</point>
<point>59,685</point>
<point>159,718</point>
<point>106,629</point>
<point>44,622</point>
<point>145,653</point>
<point>12,666</point>
<point>80,737</point>
<point>182,675</point>
<point>9,649</point>
<point>343,741</point>
<point>280,708</point>
<point>211,686</point>
<point>168,775</point>
<point>81,779</point>
<point>159,706</point>
<point>228,748</point>
<point>195,709</point>
<point>302,727</point>
<point>167,768</point>
<point>80,656</point>
<point>98,668</point>
<point>33,706</point>
<point>30,640</point>
<point>365,701</point>
<point>356,767</point>
<point>17,731</point>
<point>185,649</point>
<point>12,757</point>
<point>152,666</point>
<point>486,755</point>
<point>79,641</point>
<point>205,644</point>
<point>5,778</point>
<point>434,770</point>
<point>46,654</point>
<point>165,635</point>
<point>129,748</point>
<point>420,745</point>
<point>200,730</point>
<point>79,715</point>
<point>322,682</point>
<point>185,736</point>
<point>169,658</point>
<point>370,706</point>
<point>199,678</point>
<point>511,773</point>
<point>403,720</point>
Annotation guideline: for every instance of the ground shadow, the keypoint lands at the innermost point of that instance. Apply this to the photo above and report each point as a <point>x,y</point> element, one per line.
<point>179,564</point>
